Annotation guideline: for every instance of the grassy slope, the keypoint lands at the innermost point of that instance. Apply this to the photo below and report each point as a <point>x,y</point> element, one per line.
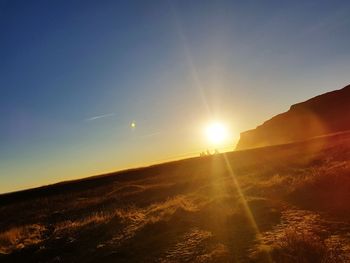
<point>224,208</point>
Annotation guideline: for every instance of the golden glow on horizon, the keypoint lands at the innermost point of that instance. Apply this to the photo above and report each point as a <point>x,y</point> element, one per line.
<point>216,133</point>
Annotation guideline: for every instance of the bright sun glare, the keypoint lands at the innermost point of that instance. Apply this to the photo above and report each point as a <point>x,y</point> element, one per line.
<point>216,133</point>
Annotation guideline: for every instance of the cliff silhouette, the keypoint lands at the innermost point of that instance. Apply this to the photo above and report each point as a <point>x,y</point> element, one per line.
<point>324,114</point>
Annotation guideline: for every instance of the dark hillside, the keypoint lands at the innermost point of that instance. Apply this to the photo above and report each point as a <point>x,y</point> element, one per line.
<point>324,114</point>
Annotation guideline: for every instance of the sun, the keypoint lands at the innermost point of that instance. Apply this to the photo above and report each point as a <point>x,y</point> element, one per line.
<point>216,133</point>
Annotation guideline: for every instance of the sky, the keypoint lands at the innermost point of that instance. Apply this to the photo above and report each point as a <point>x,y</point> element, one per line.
<point>74,76</point>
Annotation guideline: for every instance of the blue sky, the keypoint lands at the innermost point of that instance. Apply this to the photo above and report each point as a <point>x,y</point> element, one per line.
<point>170,66</point>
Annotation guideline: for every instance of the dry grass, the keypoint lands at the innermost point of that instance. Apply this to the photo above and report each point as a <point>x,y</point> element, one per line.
<point>132,218</point>
<point>298,246</point>
<point>69,225</point>
<point>20,237</point>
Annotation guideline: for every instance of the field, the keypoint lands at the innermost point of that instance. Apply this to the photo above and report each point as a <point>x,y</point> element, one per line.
<point>287,203</point>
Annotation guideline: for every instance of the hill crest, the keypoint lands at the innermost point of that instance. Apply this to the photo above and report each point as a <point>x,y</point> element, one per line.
<point>324,114</point>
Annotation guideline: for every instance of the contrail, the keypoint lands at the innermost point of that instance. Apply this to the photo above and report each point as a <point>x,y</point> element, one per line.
<point>100,116</point>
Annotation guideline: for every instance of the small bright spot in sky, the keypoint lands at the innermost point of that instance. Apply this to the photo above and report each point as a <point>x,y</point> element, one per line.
<point>216,133</point>
<point>133,125</point>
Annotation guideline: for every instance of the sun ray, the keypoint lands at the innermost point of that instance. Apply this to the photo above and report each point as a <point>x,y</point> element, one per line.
<point>189,60</point>
<point>243,199</point>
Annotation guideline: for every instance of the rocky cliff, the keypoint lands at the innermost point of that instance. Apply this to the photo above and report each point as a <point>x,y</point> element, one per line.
<point>323,114</point>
